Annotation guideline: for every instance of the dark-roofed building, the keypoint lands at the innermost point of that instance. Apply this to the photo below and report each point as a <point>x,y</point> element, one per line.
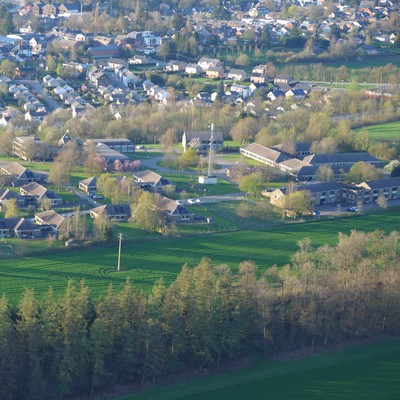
<point>341,159</point>
<point>18,174</point>
<point>149,178</point>
<point>34,193</point>
<point>295,149</point>
<point>369,191</point>
<point>298,169</point>
<point>88,185</point>
<point>174,212</point>
<point>117,212</point>
<point>7,194</point>
<point>204,138</point>
<point>51,219</point>
<point>263,154</point>
<point>104,51</point>
<point>26,229</point>
<point>121,145</point>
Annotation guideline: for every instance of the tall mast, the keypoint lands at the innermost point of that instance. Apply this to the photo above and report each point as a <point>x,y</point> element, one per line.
<point>210,154</point>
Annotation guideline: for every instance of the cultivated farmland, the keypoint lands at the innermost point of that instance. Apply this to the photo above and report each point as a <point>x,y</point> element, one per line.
<point>389,131</point>
<point>366,372</point>
<point>149,260</point>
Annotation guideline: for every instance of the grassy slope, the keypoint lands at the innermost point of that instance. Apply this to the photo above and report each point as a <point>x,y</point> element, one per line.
<point>359,373</point>
<point>388,131</point>
<point>145,262</point>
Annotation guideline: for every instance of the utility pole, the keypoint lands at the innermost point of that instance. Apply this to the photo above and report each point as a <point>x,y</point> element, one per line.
<point>210,154</point>
<point>119,252</point>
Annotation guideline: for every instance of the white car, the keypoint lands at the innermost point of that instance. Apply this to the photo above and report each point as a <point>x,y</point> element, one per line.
<point>178,202</point>
<point>97,196</point>
<point>191,201</point>
<point>198,201</point>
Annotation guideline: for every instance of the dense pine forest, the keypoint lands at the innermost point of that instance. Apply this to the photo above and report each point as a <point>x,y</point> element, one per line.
<point>57,348</point>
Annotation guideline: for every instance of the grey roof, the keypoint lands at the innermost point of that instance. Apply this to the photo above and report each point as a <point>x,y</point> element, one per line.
<point>7,194</point>
<point>295,164</point>
<point>300,146</point>
<point>148,176</point>
<point>51,217</point>
<point>337,158</point>
<point>34,189</point>
<point>25,225</point>
<point>112,142</point>
<point>9,223</point>
<point>316,187</point>
<point>203,135</point>
<point>265,152</point>
<point>110,154</point>
<point>111,210</point>
<point>382,183</point>
<point>92,181</point>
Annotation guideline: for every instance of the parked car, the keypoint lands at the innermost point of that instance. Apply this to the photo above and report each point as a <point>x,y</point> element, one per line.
<point>198,201</point>
<point>178,202</point>
<point>97,196</point>
<point>353,209</point>
<point>140,147</point>
<point>191,201</point>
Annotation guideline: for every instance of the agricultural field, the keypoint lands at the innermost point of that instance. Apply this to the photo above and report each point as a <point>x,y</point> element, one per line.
<point>389,131</point>
<point>145,259</point>
<point>363,372</point>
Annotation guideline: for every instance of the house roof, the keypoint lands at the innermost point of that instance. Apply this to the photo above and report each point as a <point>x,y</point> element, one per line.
<point>148,176</point>
<point>9,223</point>
<point>25,225</point>
<point>34,189</point>
<point>299,146</point>
<point>110,154</point>
<point>51,217</point>
<point>7,194</point>
<point>16,169</point>
<point>333,158</point>
<point>92,181</point>
<point>111,210</point>
<point>294,164</point>
<point>265,152</point>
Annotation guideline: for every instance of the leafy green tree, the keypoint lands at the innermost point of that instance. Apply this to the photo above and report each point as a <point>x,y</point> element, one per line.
<point>188,158</point>
<point>299,203</point>
<point>146,213</point>
<point>12,209</point>
<point>362,171</point>
<point>251,184</point>
<point>6,22</point>
<point>178,21</point>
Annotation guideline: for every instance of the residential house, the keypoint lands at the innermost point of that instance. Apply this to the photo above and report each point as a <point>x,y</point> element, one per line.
<point>193,69</point>
<point>259,78</point>
<point>99,52</point>
<point>175,66</point>
<point>54,221</point>
<point>67,9</point>
<point>151,179</point>
<point>18,174</point>
<point>282,78</point>
<point>174,212</point>
<point>26,229</point>
<point>88,185</point>
<point>25,73</point>
<point>141,60</point>
<point>204,139</point>
<point>263,154</point>
<point>116,212</point>
<point>49,10</point>
<point>238,75</point>
<point>35,193</point>
<point>205,63</point>
<point>215,72</point>
<point>241,90</point>
<point>7,194</point>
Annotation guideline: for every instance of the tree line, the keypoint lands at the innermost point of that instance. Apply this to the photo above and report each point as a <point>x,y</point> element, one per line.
<point>72,344</point>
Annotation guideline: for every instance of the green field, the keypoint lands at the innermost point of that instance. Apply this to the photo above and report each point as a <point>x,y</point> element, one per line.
<point>363,372</point>
<point>389,131</point>
<point>144,261</point>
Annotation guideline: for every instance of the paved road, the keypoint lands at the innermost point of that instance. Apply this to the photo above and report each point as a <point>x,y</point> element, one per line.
<point>41,94</point>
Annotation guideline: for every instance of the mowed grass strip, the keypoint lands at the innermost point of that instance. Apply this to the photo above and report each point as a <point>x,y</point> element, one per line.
<point>364,372</point>
<point>389,131</point>
<point>145,262</point>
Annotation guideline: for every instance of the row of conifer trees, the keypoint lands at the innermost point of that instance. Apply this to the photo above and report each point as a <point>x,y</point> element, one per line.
<point>57,347</point>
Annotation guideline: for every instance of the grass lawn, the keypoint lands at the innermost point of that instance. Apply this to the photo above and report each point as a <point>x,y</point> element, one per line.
<point>362,372</point>
<point>145,261</point>
<point>389,131</point>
